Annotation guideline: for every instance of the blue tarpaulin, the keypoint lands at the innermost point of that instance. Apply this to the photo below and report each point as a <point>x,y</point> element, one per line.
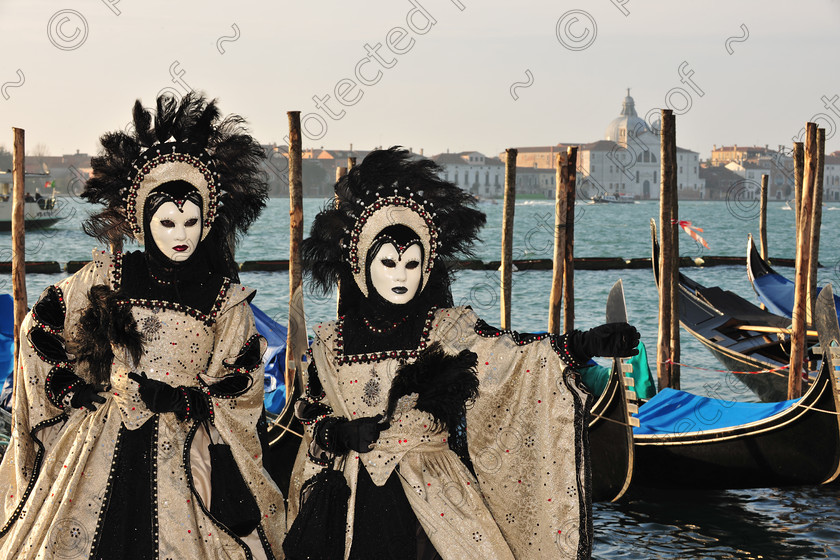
<point>7,348</point>
<point>677,412</point>
<point>777,293</point>
<point>274,360</point>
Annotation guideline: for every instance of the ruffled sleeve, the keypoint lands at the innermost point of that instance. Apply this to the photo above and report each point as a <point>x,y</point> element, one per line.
<point>44,379</point>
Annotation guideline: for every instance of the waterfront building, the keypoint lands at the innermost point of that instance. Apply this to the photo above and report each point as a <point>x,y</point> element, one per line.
<point>751,162</point>
<point>474,172</point>
<point>626,161</point>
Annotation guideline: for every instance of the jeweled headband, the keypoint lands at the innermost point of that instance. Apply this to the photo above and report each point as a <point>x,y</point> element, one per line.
<point>385,212</point>
<point>172,161</point>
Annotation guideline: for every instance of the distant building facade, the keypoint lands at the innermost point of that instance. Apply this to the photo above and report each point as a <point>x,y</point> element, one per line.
<point>474,172</point>
<point>751,162</point>
<point>626,161</point>
<point>831,178</point>
<point>720,182</point>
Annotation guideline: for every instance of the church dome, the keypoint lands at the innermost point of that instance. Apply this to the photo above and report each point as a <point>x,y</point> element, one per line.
<point>628,123</point>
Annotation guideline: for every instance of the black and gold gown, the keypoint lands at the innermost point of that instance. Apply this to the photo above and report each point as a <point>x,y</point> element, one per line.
<point>123,481</point>
<point>526,495</point>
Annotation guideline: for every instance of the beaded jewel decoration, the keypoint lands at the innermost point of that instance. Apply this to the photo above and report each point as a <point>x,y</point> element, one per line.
<point>385,212</point>
<point>171,161</point>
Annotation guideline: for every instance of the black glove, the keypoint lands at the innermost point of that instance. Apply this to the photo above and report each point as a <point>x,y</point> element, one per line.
<point>159,397</point>
<point>341,436</point>
<point>85,395</point>
<point>609,340</point>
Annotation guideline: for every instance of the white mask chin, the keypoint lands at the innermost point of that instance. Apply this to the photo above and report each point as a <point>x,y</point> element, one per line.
<point>176,232</point>
<point>397,277</point>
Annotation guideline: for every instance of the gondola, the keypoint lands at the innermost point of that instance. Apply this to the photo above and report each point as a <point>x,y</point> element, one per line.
<point>285,433</point>
<point>610,425</point>
<point>741,335</point>
<point>773,290</point>
<point>611,439</point>
<point>686,441</point>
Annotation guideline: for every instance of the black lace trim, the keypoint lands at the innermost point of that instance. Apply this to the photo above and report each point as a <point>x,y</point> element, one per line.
<point>327,457</point>
<point>49,347</point>
<point>97,535</point>
<point>228,387</point>
<point>266,545</point>
<point>36,470</point>
<point>312,412</point>
<point>561,346</point>
<point>50,311</point>
<point>116,269</point>
<point>56,394</point>
<point>248,359</point>
<point>582,451</point>
<point>372,357</point>
<point>485,330</point>
<point>208,319</point>
<point>313,389</point>
<point>309,412</point>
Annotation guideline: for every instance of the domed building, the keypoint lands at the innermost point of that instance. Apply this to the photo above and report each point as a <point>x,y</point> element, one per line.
<point>627,123</point>
<point>625,162</point>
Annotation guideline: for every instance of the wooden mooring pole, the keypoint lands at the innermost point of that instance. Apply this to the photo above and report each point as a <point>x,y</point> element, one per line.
<point>762,219</point>
<point>559,260</point>
<point>296,316</point>
<point>507,236</point>
<point>18,235</point>
<point>816,225</point>
<point>340,172</point>
<point>668,332</point>
<point>569,253</point>
<point>351,163</point>
<point>803,252</point>
<point>798,170</point>
<point>671,136</point>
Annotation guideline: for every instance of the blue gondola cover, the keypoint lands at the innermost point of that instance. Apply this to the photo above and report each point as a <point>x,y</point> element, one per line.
<point>675,412</point>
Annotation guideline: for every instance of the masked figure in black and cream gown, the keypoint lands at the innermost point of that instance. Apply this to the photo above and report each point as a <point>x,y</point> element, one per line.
<point>130,369</point>
<point>459,440</point>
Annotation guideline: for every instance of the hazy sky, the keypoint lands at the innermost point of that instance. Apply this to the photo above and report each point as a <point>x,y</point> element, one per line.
<point>433,74</point>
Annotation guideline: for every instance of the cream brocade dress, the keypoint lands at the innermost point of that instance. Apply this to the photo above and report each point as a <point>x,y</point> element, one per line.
<point>55,476</point>
<point>525,432</point>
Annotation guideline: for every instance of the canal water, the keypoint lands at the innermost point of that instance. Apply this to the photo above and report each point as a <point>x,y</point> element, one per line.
<point>771,523</point>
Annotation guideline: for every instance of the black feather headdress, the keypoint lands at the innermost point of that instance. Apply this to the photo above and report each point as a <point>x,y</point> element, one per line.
<point>389,187</point>
<point>181,140</point>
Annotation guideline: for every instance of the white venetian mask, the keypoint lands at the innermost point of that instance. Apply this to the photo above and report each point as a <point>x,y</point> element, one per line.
<point>396,277</point>
<point>176,231</point>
